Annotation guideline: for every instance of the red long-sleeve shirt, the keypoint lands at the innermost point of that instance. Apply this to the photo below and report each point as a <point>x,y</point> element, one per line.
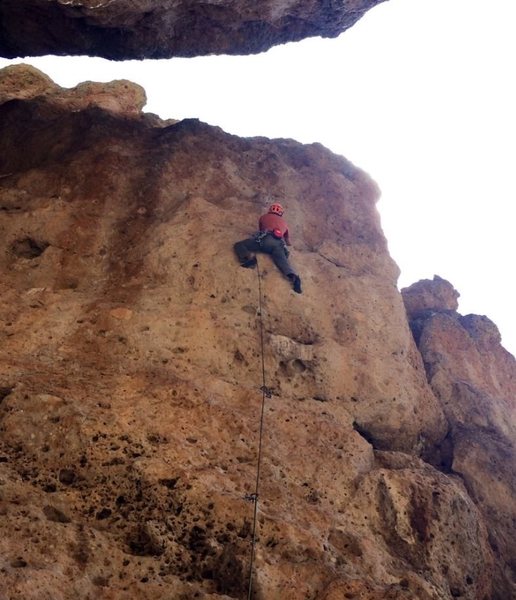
<point>270,221</point>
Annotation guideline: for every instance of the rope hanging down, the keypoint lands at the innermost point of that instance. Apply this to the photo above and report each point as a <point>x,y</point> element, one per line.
<point>266,393</point>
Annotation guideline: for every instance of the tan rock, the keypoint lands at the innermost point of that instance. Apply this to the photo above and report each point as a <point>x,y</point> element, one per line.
<point>121,313</point>
<point>26,82</point>
<point>475,379</point>
<point>430,294</point>
<point>130,396</point>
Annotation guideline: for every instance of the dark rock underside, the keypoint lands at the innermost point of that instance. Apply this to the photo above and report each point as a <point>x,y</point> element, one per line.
<point>138,29</point>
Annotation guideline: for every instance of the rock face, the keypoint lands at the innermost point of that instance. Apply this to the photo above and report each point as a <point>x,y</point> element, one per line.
<point>427,295</point>
<point>24,82</point>
<point>474,378</point>
<point>131,370</point>
<point>137,29</point>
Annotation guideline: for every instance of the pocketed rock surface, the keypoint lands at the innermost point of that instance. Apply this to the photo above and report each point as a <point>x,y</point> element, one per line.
<point>138,29</point>
<point>132,365</point>
<point>474,378</point>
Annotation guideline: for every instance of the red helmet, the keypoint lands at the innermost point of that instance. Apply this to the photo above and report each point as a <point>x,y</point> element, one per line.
<point>276,209</point>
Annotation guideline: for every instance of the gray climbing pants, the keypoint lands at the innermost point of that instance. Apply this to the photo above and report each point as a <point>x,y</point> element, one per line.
<point>270,245</point>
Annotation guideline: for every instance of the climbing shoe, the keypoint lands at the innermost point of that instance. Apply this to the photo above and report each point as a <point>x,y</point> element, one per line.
<point>250,263</point>
<point>296,283</point>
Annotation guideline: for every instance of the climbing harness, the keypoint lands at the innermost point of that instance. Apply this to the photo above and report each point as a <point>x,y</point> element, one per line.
<point>276,234</point>
<point>260,236</point>
<point>266,393</point>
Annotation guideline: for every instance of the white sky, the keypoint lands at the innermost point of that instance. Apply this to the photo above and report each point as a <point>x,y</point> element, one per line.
<point>419,93</point>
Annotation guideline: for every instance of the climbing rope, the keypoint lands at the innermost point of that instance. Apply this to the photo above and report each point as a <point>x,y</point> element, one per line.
<point>266,393</point>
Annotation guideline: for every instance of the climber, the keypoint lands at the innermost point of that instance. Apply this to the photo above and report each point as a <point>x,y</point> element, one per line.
<point>273,239</point>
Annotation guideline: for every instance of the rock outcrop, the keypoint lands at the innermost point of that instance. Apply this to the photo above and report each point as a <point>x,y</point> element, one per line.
<point>426,296</point>
<point>137,29</point>
<point>474,378</point>
<point>24,82</point>
<point>131,372</point>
